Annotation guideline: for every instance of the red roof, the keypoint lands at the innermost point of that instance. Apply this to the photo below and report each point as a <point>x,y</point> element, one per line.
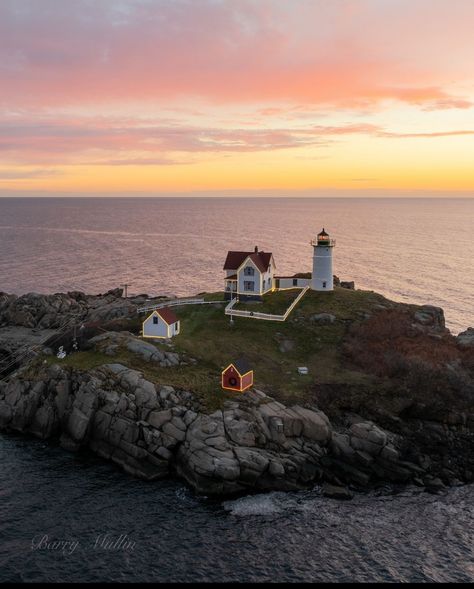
<point>235,259</point>
<point>167,315</point>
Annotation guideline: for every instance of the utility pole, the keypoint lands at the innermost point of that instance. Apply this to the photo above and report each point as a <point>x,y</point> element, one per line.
<point>125,287</point>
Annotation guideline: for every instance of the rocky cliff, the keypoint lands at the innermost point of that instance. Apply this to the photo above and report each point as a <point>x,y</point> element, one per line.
<point>253,443</point>
<point>390,398</point>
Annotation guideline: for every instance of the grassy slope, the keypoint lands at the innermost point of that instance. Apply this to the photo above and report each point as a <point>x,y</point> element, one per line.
<point>206,334</point>
<point>275,303</point>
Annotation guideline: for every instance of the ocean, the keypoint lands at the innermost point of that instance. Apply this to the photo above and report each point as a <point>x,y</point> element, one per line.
<point>121,529</point>
<point>74,517</point>
<point>411,250</point>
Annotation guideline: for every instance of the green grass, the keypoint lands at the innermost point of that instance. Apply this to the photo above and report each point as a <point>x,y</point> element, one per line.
<point>275,303</point>
<point>207,335</point>
<point>343,303</point>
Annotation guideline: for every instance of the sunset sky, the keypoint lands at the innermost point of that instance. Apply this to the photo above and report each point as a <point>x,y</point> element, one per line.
<point>209,96</point>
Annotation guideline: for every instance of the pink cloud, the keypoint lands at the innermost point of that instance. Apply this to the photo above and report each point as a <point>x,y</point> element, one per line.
<point>115,142</point>
<point>340,53</point>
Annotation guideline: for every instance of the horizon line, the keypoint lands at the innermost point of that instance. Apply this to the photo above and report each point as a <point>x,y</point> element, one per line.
<point>252,193</point>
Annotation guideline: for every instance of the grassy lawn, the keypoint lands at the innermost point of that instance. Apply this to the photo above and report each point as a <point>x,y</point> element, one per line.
<point>275,303</point>
<point>207,335</point>
<point>274,349</point>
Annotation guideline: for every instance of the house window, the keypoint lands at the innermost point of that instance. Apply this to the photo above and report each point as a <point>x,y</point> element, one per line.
<point>324,284</point>
<point>295,281</point>
<point>249,285</point>
<point>155,320</point>
<point>249,271</point>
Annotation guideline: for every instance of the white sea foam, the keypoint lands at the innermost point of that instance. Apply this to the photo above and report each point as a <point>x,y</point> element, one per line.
<point>266,504</point>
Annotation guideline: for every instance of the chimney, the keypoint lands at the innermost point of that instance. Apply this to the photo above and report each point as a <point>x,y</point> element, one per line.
<point>256,249</point>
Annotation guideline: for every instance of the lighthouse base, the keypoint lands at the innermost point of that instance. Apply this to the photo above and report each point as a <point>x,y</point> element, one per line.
<point>322,285</point>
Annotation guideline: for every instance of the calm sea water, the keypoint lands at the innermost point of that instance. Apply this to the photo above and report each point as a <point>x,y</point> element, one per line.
<point>417,251</point>
<point>173,536</point>
<point>412,250</point>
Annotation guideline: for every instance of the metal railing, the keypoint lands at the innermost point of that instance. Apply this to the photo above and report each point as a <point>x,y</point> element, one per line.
<point>325,243</point>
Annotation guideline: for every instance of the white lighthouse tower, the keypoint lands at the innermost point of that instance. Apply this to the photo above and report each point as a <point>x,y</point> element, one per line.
<point>322,262</point>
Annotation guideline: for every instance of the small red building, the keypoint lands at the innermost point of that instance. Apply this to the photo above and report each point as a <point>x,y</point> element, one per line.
<point>238,376</point>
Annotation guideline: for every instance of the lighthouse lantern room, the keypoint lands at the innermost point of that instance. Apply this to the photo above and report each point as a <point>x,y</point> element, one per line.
<point>322,277</point>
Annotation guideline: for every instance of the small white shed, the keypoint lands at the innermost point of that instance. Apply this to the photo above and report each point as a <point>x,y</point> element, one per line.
<point>162,324</point>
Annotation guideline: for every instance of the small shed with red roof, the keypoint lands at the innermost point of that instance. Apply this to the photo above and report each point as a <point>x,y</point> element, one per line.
<point>238,376</point>
<point>161,324</point>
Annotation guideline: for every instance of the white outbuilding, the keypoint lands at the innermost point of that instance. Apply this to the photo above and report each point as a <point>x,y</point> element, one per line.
<point>161,324</point>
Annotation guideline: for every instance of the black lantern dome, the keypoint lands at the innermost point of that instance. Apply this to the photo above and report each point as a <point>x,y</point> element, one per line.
<point>323,237</point>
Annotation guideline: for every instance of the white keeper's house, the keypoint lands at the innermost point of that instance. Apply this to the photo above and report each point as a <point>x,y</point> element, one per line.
<point>250,275</point>
<point>161,324</point>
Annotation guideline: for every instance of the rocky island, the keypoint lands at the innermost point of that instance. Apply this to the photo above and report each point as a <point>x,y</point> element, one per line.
<point>388,398</point>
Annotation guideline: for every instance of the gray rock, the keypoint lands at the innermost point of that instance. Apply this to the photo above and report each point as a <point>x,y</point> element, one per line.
<point>165,392</point>
<point>286,345</point>
<point>340,446</point>
<point>431,316</point>
<point>252,463</point>
<point>323,318</point>
<point>433,484</point>
<point>240,432</point>
<point>350,284</point>
<point>77,424</point>
<point>367,437</point>
<point>174,432</point>
<point>276,468</point>
<point>315,424</point>
<point>466,338</point>
<point>336,492</point>
<point>147,351</point>
<point>159,418</point>
<point>389,453</point>
<point>172,358</point>
<point>145,394</point>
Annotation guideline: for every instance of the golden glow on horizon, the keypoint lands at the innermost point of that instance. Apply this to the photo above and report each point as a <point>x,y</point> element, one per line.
<point>355,96</point>
<point>358,163</point>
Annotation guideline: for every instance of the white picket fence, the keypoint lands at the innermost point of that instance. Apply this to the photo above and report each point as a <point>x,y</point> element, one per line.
<point>177,303</point>
<point>229,310</point>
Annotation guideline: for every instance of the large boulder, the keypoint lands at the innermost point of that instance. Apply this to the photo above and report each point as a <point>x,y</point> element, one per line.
<point>323,318</point>
<point>113,343</point>
<point>349,284</point>
<point>42,311</point>
<point>256,444</point>
<point>466,338</point>
<point>430,316</point>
